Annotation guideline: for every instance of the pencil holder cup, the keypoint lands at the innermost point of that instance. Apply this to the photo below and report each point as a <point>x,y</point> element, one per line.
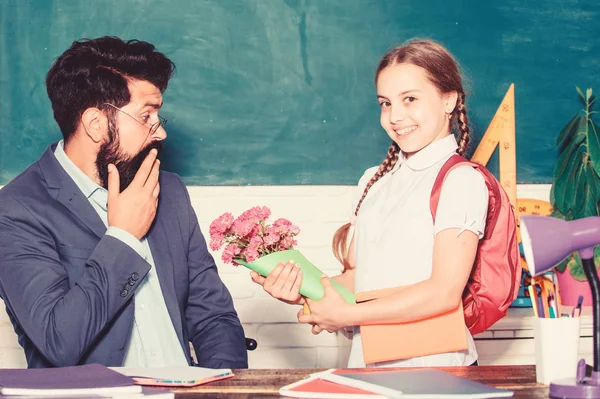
<point>556,348</point>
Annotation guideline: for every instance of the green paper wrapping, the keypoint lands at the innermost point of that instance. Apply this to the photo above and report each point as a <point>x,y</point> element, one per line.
<point>311,276</point>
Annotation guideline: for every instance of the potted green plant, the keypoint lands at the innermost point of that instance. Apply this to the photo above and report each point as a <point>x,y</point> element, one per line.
<point>576,190</point>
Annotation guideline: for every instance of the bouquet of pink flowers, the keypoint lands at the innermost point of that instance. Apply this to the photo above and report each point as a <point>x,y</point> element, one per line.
<point>250,241</point>
<point>249,236</point>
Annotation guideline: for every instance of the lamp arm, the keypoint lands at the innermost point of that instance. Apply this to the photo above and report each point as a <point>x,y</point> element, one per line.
<point>592,276</point>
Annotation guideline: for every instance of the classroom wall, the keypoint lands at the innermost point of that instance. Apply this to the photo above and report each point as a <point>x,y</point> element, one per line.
<point>281,91</point>
<point>282,342</point>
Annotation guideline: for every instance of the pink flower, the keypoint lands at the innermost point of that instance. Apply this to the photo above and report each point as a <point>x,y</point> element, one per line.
<point>282,223</point>
<point>216,241</point>
<point>254,249</point>
<point>263,213</point>
<point>230,252</point>
<point>287,242</point>
<point>242,226</point>
<point>284,226</point>
<point>220,225</point>
<point>295,230</point>
<point>251,255</point>
<point>249,236</point>
<point>258,229</point>
<point>271,238</point>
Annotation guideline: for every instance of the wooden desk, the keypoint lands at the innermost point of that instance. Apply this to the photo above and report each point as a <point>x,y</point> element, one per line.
<point>265,383</point>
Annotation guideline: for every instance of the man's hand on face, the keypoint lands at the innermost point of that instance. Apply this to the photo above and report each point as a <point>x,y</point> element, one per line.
<point>134,209</point>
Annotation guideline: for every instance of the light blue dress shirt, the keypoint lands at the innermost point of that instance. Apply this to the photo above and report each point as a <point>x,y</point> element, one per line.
<point>153,342</point>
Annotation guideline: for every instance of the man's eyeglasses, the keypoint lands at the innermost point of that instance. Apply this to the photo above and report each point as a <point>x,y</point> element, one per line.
<point>153,128</point>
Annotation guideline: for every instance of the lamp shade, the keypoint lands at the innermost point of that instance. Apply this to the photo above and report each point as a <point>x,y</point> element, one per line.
<point>547,240</point>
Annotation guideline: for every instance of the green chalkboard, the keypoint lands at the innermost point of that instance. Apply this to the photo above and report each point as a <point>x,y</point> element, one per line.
<point>281,91</point>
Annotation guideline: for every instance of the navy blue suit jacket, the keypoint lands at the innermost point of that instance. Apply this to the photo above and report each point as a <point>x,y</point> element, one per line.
<point>66,284</point>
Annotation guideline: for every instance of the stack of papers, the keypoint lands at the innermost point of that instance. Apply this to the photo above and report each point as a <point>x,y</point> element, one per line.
<point>152,393</point>
<point>97,381</point>
<point>91,379</point>
<point>174,376</point>
<point>426,383</point>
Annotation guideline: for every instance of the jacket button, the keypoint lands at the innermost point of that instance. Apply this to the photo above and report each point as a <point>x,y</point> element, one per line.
<point>124,293</point>
<point>131,283</point>
<point>135,276</point>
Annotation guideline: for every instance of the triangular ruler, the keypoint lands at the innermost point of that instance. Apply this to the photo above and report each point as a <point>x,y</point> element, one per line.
<point>501,133</point>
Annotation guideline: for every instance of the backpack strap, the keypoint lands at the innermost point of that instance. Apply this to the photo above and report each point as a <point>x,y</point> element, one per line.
<point>452,163</point>
<point>494,190</point>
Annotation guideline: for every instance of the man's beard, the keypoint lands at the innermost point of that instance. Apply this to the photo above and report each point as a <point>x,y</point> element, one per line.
<point>126,165</point>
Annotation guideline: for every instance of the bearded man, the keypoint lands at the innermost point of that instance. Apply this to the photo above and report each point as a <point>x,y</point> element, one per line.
<point>101,255</point>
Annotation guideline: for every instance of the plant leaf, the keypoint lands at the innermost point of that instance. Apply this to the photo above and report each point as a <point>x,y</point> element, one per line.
<point>594,145</point>
<point>576,139</point>
<point>576,268</point>
<point>573,263</point>
<point>567,129</point>
<point>562,174</point>
<point>588,94</point>
<point>592,179</point>
<point>578,190</point>
<point>569,145</point>
<point>569,215</point>
<point>564,161</point>
<point>557,214</point>
<point>576,134</point>
<point>563,265</point>
<point>590,202</point>
<point>571,187</point>
<point>580,93</point>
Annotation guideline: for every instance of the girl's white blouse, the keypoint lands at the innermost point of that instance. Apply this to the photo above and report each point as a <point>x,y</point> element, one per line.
<point>394,231</point>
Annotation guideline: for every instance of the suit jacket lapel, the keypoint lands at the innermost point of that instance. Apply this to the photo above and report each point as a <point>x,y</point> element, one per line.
<point>67,193</point>
<point>163,262</point>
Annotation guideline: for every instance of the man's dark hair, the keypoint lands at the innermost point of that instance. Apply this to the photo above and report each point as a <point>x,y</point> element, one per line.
<point>95,71</point>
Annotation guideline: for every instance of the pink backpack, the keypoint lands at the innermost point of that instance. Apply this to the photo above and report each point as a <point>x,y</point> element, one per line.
<point>496,275</point>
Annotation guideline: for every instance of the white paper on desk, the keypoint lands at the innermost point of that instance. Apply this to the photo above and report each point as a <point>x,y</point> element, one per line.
<point>186,376</point>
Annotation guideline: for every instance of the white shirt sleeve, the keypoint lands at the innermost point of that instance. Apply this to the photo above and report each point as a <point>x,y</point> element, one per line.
<point>463,202</point>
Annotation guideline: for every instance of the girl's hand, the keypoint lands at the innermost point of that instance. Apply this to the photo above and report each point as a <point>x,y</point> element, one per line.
<point>282,283</point>
<point>329,313</point>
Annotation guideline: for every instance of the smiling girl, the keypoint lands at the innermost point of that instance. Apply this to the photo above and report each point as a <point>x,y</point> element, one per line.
<point>395,242</point>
